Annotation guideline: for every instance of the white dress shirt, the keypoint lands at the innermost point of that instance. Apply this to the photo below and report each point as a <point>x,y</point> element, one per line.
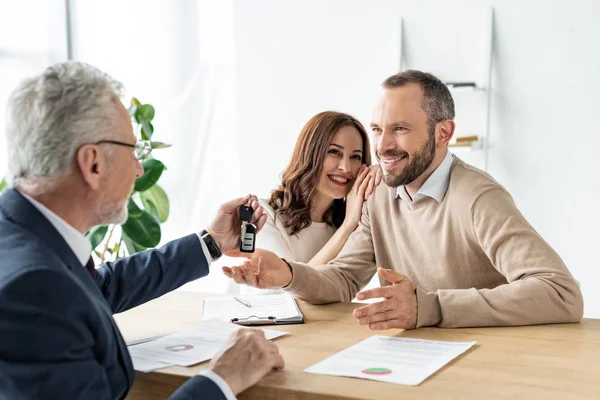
<point>82,249</point>
<point>435,186</point>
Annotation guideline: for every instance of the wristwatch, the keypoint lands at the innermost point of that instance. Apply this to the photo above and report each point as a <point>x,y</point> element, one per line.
<point>212,246</point>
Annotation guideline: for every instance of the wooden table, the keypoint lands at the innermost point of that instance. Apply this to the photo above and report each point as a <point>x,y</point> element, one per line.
<point>534,362</point>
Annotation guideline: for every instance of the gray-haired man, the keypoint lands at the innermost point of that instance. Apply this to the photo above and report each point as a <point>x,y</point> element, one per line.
<point>73,160</point>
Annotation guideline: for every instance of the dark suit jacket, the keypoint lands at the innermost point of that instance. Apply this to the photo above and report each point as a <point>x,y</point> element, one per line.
<point>58,339</point>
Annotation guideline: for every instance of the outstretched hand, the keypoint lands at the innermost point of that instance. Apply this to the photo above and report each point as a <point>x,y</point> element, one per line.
<point>262,269</point>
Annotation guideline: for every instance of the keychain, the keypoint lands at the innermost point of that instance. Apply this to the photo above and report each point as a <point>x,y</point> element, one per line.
<point>248,233</point>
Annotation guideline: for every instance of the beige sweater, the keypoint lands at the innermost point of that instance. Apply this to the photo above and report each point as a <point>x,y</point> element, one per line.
<point>473,257</point>
<point>300,247</point>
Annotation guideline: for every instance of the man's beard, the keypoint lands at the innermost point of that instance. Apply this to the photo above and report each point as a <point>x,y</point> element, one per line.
<point>419,163</point>
<point>111,213</point>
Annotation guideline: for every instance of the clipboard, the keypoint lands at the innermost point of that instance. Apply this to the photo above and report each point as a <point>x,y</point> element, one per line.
<point>261,309</point>
<point>254,320</point>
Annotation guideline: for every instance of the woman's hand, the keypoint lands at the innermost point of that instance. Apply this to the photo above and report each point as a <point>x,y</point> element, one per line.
<point>356,198</point>
<point>375,175</point>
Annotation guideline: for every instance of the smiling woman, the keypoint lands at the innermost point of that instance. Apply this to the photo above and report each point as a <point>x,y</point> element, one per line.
<point>319,202</point>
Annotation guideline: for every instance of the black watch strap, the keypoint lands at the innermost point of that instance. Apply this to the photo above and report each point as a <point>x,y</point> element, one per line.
<point>213,249</point>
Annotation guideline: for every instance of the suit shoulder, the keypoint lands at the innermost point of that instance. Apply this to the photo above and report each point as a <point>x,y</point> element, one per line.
<point>40,285</point>
<point>21,251</point>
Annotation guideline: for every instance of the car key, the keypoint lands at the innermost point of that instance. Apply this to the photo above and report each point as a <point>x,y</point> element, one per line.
<point>248,230</point>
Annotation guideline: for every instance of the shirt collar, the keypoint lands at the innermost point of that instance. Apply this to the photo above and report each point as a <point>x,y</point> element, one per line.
<point>80,246</point>
<point>435,186</point>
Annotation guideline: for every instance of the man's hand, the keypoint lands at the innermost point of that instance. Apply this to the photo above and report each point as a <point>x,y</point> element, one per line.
<point>225,227</point>
<point>263,269</point>
<point>245,359</point>
<point>398,310</point>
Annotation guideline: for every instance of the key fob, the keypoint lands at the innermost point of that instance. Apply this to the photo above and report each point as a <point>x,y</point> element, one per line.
<point>245,213</point>
<point>248,230</point>
<point>248,238</point>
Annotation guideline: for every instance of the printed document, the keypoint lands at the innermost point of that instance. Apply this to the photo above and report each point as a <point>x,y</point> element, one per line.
<point>391,359</point>
<point>189,347</point>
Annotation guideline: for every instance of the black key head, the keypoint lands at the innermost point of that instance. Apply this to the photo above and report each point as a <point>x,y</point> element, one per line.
<point>246,213</point>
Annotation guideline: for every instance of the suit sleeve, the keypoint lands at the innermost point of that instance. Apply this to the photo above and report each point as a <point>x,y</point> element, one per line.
<point>47,340</point>
<point>198,387</point>
<point>134,280</point>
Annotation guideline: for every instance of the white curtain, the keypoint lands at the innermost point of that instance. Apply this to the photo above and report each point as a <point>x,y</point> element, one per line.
<point>32,36</point>
<point>178,56</point>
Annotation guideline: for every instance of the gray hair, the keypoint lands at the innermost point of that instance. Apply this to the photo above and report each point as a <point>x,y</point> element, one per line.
<point>50,116</point>
<point>437,100</point>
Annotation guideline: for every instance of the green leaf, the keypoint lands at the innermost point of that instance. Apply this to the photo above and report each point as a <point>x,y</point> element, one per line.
<point>96,235</point>
<point>156,202</point>
<point>153,169</point>
<point>132,247</point>
<point>143,229</point>
<point>159,145</point>
<point>147,130</point>
<point>132,209</point>
<point>135,103</point>
<point>132,109</point>
<point>145,112</point>
<point>2,184</point>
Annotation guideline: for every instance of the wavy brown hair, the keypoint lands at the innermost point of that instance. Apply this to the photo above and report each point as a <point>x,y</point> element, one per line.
<point>292,200</point>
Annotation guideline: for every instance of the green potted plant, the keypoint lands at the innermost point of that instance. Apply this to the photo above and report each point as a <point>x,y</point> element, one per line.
<point>148,205</point>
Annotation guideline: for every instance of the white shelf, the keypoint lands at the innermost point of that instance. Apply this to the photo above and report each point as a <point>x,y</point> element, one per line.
<point>475,146</point>
<point>466,89</point>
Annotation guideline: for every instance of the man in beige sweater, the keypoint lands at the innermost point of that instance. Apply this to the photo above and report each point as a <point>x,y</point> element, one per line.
<point>452,247</point>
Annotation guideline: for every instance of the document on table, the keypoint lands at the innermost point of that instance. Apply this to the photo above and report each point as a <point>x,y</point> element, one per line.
<point>142,365</point>
<point>188,347</point>
<point>391,359</point>
<point>275,309</point>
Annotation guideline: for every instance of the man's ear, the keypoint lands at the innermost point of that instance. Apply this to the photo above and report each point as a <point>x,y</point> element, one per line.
<point>445,131</point>
<point>92,165</point>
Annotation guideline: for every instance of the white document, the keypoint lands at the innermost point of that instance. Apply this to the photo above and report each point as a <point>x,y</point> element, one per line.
<point>191,346</point>
<point>280,306</point>
<point>391,359</point>
<point>139,364</point>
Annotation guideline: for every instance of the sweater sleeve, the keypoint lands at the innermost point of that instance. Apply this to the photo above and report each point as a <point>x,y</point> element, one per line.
<point>539,288</point>
<point>344,276</point>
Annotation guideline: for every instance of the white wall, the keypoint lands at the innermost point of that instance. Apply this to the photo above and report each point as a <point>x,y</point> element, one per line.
<point>295,59</point>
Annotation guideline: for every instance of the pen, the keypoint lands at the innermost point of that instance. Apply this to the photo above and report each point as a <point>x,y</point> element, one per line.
<point>242,301</point>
